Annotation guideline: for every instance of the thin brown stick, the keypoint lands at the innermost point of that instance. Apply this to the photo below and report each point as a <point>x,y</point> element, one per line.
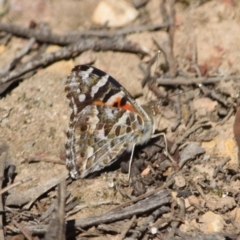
<point>29,196</point>
<point>147,71</point>
<point>57,228</point>
<point>27,179</point>
<point>214,95</point>
<point>202,123</point>
<point>177,221</point>
<point>19,56</point>
<point>48,37</point>
<point>5,39</point>
<point>220,166</point>
<point>171,59</point>
<point>83,206</point>
<point>179,113</point>
<point>206,236</point>
<point>166,185</point>
<point>148,204</point>
<point>146,224</point>
<point>192,81</point>
<point>3,157</point>
<point>25,232</point>
<point>154,201</point>
<point>230,112</point>
<point>129,225</point>
<point>33,159</point>
<point>109,228</point>
<point>115,44</point>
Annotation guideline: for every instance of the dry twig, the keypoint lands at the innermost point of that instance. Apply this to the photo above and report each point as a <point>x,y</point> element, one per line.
<point>129,225</point>
<point>27,179</point>
<point>115,44</point>
<point>29,196</point>
<point>33,159</point>
<point>2,167</point>
<point>148,204</point>
<point>167,47</point>
<point>48,37</point>
<point>83,206</point>
<point>146,224</point>
<point>19,56</point>
<point>179,113</point>
<point>56,228</point>
<point>147,71</point>
<point>192,81</point>
<point>22,229</point>
<point>202,123</point>
<point>212,94</point>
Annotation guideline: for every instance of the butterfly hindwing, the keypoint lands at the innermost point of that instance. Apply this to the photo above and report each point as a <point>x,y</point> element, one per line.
<point>101,134</point>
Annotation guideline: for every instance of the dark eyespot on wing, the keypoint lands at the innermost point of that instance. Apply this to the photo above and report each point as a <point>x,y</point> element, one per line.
<point>115,104</point>
<point>82,154</point>
<point>128,130</point>
<point>118,130</point>
<point>123,101</point>
<point>84,127</point>
<point>139,119</point>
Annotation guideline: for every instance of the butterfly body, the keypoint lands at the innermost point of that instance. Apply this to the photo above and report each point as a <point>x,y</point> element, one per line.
<point>105,121</point>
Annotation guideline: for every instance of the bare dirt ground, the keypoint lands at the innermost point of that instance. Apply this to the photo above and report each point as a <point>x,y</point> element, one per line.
<point>199,185</point>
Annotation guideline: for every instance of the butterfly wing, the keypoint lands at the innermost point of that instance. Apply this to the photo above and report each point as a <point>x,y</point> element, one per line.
<point>100,135</point>
<point>87,85</point>
<point>105,121</point>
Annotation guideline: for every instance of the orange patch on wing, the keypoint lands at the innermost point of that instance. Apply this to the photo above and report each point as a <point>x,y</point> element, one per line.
<point>117,103</point>
<point>126,106</point>
<point>99,102</point>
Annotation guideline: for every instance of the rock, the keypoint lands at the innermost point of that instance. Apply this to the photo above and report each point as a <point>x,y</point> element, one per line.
<point>193,200</point>
<point>221,204</point>
<point>180,181</point>
<point>208,223</point>
<point>235,214</point>
<point>211,222</point>
<point>191,151</point>
<point>114,13</point>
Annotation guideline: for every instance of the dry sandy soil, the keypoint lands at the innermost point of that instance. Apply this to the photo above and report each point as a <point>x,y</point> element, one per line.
<point>34,114</point>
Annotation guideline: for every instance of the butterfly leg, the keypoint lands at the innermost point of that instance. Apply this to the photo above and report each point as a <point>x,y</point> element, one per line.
<point>166,146</point>
<point>165,151</point>
<point>130,162</point>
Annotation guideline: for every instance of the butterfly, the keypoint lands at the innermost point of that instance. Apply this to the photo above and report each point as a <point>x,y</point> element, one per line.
<point>105,122</point>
